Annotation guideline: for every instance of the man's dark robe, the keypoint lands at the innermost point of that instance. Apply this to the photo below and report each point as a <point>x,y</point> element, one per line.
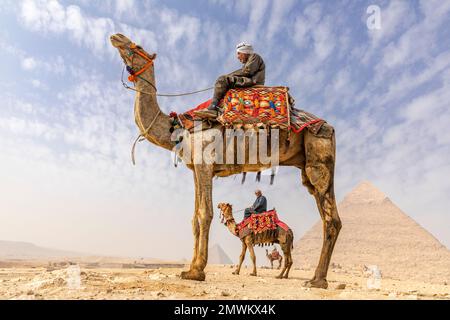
<point>259,206</point>
<point>253,72</point>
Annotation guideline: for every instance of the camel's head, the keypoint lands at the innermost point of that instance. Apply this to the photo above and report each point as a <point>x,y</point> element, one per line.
<point>132,55</point>
<point>226,212</point>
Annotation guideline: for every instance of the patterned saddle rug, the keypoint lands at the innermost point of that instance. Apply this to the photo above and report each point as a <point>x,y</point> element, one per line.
<point>255,107</point>
<point>259,223</point>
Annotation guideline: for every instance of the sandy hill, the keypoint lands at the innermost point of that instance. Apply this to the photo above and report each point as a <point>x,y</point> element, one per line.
<point>25,250</point>
<point>216,255</point>
<point>376,232</point>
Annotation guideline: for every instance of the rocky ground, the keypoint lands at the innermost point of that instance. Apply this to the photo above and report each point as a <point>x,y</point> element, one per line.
<point>74,282</point>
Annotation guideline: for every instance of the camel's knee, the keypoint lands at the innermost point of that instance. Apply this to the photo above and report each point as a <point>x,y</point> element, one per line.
<point>337,224</point>
<point>333,226</point>
<point>204,218</point>
<point>306,182</point>
<point>195,227</point>
<point>319,176</point>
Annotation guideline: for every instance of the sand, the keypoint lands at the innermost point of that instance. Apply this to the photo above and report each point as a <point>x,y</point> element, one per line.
<point>40,282</point>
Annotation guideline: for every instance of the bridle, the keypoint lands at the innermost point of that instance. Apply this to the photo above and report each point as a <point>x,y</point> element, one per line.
<point>227,220</point>
<point>132,50</point>
<point>133,77</point>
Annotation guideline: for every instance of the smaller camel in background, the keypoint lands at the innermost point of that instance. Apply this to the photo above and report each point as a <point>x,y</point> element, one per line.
<point>274,256</point>
<point>284,238</point>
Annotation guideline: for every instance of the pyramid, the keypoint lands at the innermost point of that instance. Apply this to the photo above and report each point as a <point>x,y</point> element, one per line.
<point>376,232</point>
<point>216,255</point>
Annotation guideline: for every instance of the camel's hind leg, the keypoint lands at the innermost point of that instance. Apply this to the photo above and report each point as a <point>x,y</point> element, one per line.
<point>318,177</point>
<point>287,251</point>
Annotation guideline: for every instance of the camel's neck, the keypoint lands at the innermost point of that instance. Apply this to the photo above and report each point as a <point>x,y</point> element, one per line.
<point>231,225</point>
<point>146,109</point>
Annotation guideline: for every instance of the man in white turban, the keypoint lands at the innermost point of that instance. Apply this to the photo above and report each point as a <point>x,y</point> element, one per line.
<point>252,73</point>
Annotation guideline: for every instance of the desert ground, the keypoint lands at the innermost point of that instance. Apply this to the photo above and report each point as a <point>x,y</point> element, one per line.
<point>52,282</point>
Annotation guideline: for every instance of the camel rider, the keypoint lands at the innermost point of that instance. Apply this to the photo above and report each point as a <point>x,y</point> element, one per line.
<point>253,72</point>
<point>259,206</point>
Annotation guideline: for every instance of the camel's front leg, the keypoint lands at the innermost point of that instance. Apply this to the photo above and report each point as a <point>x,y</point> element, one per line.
<point>195,229</point>
<point>241,258</point>
<point>252,256</point>
<point>203,194</point>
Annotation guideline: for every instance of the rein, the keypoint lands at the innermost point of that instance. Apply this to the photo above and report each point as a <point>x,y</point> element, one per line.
<point>134,75</point>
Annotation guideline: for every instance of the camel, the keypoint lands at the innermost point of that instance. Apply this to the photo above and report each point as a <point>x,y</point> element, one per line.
<point>313,155</point>
<point>280,236</point>
<point>271,258</point>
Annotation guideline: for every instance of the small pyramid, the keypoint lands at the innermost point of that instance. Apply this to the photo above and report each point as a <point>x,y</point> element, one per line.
<point>376,232</point>
<point>216,255</point>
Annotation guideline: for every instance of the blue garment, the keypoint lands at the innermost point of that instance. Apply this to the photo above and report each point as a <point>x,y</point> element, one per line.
<point>259,206</point>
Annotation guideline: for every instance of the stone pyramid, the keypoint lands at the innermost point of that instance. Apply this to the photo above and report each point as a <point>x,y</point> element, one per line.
<point>376,232</point>
<point>216,255</point>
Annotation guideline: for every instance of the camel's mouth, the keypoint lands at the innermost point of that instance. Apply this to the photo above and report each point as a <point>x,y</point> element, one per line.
<point>119,41</point>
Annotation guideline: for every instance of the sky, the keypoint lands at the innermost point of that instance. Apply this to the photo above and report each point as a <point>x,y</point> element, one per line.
<point>67,124</point>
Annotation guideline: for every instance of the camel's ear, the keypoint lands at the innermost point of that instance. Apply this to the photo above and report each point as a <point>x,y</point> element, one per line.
<point>219,205</point>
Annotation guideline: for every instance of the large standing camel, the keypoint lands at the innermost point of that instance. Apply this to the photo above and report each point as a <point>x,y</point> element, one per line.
<point>282,237</point>
<point>313,155</point>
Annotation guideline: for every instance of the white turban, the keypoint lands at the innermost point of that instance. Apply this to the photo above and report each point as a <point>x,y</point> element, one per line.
<point>244,47</point>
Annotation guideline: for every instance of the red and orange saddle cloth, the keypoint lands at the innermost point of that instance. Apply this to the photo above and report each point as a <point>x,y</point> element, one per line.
<point>261,222</point>
<point>257,107</point>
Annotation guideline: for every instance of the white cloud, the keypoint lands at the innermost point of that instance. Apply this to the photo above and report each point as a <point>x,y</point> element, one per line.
<point>256,21</point>
<point>124,6</point>
<point>38,84</point>
<point>29,63</point>
<point>277,18</point>
<point>51,16</point>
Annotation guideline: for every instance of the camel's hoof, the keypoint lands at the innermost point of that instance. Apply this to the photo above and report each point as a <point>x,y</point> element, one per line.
<point>236,272</point>
<point>279,277</point>
<point>253,274</point>
<point>321,284</point>
<point>193,275</point>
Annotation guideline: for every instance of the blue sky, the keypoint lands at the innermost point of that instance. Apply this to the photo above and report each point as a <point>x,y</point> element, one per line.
<point>66,123</point>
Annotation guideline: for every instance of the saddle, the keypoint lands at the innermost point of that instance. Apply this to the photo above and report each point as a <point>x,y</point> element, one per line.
<point>254,107</point>
<point>259,223</point>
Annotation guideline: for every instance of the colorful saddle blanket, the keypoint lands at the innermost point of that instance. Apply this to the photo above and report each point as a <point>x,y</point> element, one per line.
<point>255,107</point>
<point>261,222</point>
